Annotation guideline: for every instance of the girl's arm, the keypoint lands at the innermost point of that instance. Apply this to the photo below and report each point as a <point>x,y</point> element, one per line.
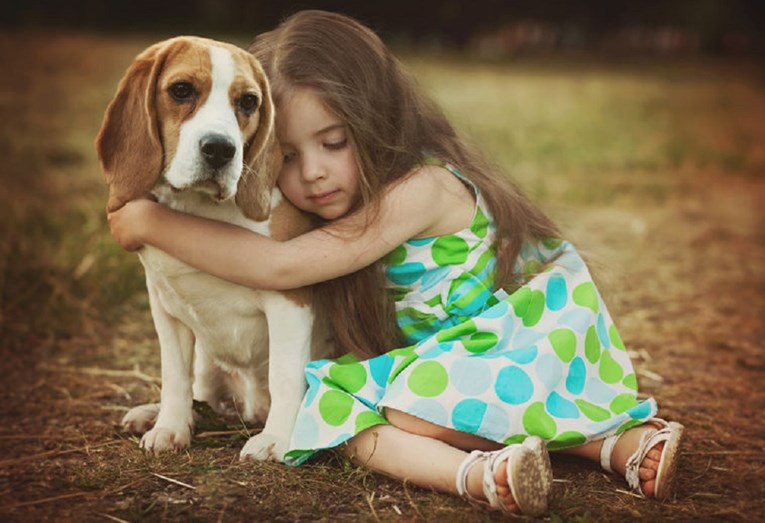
<point>408,209</point>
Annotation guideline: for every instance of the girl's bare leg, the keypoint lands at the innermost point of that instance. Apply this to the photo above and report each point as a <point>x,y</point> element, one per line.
<point>426,454</point>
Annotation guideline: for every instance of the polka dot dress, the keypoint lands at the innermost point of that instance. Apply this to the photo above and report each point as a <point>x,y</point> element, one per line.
<point>545,359</point>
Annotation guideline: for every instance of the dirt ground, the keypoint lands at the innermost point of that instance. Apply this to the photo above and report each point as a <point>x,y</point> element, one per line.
<point>683,273</point>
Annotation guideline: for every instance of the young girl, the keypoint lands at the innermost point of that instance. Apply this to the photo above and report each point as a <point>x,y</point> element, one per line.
<point>476,339</point>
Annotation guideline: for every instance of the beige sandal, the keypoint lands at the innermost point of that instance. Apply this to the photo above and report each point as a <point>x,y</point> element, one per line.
<point>671,434</point>
<point>529,475</point>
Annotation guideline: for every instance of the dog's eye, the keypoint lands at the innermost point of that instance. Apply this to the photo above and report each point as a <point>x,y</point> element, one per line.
<point>248,102</point>
<point>181,91</point>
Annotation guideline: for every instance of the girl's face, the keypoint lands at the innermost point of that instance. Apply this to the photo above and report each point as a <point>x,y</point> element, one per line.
<point>320,174</point>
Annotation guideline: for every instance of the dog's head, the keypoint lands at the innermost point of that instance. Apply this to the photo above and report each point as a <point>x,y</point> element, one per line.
<point>191,114</point>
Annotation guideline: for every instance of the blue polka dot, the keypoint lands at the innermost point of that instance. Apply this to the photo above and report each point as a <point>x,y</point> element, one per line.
<point>560,407</point>
<point>406,273</point>
<point>522,355</point>
<point>513,386</point>
<point>527,337</point>
<point>577,374</point>
<point>433,352</point>
<point>570,260</point>
<point>342,438</point>
<point>394,389</point>
<point>430,410</point>
<point>549,370</point>
<point>317,364</point>
<point>470,376</point>
<point>496,423</point>
<point>313,389</point>
<point>598,392</point>
<point>379,368</point>
<point>578,320</point>
<point>419,242</point>
<point>468,415</point>
<point>434,277</point>
<point>641,410</point>
<point>497,311</point>
<point>306,433</point>
<point>602,332</point>
<point>557,294</point>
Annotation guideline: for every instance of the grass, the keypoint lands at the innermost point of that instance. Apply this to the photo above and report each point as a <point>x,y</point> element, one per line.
<point>655,168</point>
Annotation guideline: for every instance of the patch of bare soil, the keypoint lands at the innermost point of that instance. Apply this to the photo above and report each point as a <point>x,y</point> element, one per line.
<point>685,280</point>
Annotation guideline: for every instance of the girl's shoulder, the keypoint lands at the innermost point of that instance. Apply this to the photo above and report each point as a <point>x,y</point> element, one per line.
<point>438,189</point>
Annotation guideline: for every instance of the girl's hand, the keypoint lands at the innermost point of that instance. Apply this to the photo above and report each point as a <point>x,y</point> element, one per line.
<point>129,222</point>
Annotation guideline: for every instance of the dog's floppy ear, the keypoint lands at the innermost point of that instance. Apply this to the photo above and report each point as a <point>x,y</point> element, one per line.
<point>262,159</point>
<point>128,144</point>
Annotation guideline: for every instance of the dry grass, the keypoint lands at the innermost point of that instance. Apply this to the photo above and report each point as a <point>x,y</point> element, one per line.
<point>655,169</point>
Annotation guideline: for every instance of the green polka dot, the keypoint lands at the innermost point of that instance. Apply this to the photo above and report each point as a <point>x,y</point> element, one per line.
<point>552,243</point>
<point>592,345</point>
<point>368,419</point>
<point>593,412</point>
<point>335,407</point>
<point>563,342</point>
<point>630,380</point>
<point>517,438</point>
<point>531,267</point>
<point>609,370</point>
<point>480,223</point>
<point>629,424</point>
<point>567,439</point>
<point>396,256</point>
<point>535,310</point>
<point>622,403</point>
<point>346,358</point>
<point>450,250</point>
<point>458,331</point>
<point>398,293</point>
<point>520,300</point>
<point>351,377</point>
<point>585,295</point>
<point>616,340</point>
<point>428,379</point>
<point>406,351</point>
<point>537,422</point>
<point>480,342</point>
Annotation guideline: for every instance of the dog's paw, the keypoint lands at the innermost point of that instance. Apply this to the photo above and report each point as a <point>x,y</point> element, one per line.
<point>141,418</point>
<point>265,447</point>
<point>163,439</point>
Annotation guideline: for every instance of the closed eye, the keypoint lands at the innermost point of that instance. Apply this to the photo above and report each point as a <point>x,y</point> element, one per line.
<point>336,146</point>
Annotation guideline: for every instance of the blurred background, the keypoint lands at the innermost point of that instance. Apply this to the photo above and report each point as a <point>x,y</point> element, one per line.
<point>637,125</point>
<point>486,27</point>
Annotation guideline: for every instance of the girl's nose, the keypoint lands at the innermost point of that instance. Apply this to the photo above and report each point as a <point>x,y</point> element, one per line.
<point>312,170</point>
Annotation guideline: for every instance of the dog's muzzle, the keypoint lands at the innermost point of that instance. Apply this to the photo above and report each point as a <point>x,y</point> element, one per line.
<point>217,150</point>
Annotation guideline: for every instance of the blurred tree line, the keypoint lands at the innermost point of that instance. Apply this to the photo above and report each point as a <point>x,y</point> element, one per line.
<point>709,26</point>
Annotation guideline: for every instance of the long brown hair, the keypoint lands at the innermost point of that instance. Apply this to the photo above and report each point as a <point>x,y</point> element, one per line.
<point>392,124</point>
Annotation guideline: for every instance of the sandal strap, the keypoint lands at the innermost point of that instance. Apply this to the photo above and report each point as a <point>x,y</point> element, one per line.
<point>607,449</point>
<point>647,441</point>
<point>462,473</point>
<point>495,460</point>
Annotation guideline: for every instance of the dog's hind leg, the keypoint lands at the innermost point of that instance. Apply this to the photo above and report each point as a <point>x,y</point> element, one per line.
<point>209,380</point>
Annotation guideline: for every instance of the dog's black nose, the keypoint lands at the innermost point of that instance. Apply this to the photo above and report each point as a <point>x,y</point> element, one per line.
<point>217,150</point>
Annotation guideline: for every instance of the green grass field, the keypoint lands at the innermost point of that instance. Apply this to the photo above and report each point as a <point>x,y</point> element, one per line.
<point>655,168</point>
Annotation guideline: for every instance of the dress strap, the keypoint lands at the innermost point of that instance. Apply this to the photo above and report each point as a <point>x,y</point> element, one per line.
<point>432,160</point>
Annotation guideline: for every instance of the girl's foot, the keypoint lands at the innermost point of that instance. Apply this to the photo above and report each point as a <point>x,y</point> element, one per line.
<point>646,456</point>
<point>515,479</point>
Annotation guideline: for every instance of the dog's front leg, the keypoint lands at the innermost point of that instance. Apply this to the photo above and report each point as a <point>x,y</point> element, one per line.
<point>175,419</point>
<point>289,331</point>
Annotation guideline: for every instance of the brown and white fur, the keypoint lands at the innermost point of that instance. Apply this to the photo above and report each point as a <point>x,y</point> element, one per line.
<point>192,122</point>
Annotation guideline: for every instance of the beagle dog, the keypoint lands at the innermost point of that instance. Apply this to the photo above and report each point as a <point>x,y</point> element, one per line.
<point>192,122</point>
